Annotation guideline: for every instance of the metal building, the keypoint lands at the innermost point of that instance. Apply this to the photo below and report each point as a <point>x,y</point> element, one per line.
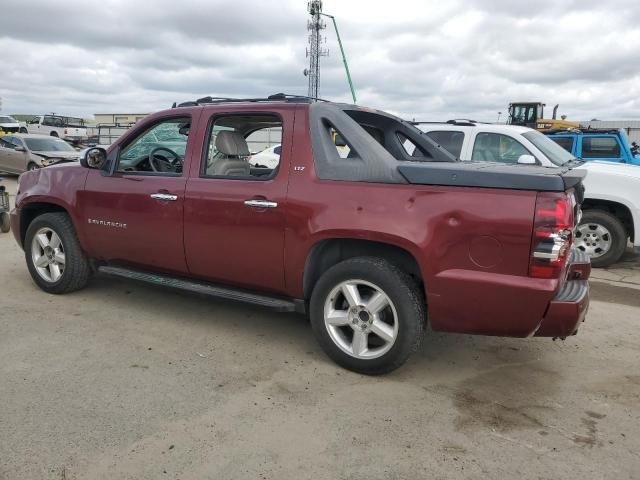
<point>632,127</point>
<point>122,118</point>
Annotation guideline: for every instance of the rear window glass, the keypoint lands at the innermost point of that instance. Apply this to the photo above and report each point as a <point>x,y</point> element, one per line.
<point>600,147</point>
<point>411,148</point>
<point>564,142</point>
<point>450,141</point>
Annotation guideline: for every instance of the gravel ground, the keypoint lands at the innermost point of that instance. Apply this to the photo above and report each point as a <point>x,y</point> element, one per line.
<point>126,381</point>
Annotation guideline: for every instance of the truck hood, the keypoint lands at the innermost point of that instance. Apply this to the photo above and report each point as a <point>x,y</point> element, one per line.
<point>611,168</point>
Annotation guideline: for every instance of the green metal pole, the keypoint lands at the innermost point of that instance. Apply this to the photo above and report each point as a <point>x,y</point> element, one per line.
<point>344,57</point>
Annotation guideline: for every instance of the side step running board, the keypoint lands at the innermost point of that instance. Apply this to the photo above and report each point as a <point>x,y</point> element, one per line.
<point>274,303</point>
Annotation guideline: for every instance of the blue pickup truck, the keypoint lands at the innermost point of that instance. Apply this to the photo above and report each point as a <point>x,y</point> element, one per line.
<point>611,145</point>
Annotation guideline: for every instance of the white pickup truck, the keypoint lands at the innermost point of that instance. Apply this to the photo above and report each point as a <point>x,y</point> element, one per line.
<point>611,209</point>
<point>67,128</point>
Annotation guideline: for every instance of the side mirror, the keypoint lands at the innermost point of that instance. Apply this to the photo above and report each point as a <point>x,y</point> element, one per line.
<point>526,160</point>
<point>20,149</point>
<point>95,158</point>
<point>339,141</point>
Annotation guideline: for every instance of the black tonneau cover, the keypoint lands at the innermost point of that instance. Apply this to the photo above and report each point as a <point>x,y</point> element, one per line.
<point>491,175</point>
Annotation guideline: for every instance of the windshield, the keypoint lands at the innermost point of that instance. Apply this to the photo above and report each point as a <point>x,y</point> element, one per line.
<point>48,145</point>
<point>553,151</point>
<point>7,120</point>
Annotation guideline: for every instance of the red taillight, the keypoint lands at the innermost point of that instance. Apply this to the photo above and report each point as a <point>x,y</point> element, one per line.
<point>65,131</point>
<point>552,234</point>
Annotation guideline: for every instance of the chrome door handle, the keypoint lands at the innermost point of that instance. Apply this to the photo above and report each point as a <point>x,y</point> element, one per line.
<point>167,197</point>
<point>260,203</point>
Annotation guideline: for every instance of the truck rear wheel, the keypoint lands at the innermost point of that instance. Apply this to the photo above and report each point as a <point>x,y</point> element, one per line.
<point>55,260</point>
<point>602,236</point>
<point>54,134</point>
<point>368,315</point>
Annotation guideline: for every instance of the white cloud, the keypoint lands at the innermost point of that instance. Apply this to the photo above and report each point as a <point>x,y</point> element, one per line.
<point>422,59</point>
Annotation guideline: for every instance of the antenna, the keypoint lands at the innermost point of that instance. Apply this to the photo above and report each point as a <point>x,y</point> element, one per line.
<point>315,25</point>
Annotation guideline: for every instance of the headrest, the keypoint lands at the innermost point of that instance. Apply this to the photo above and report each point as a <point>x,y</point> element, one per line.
<point>231,144</point>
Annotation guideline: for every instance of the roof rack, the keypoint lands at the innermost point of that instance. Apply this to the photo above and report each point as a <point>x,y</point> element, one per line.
<point>276,97</point>
<point>583,130</point>
<point>462,122</point>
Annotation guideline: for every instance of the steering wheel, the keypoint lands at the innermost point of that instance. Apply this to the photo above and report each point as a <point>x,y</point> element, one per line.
<point>163,164</point>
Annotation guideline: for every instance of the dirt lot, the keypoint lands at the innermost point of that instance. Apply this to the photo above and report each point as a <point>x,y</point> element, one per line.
<point>124,381</point>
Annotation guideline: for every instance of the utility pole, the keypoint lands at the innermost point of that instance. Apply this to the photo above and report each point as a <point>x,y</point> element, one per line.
<point>315,50</point>
<point>344,57</point>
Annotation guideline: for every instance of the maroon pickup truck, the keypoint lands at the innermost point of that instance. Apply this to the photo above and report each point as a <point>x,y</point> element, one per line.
<point>372,238</point>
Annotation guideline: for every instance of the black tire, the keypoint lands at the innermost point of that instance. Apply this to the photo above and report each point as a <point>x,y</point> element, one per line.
<point>32,166</point>
<point>399,287</point>
<point>5,223</point>
<point>616,230</point>
<point>77,271</point>
<point>54,134</point>
<point>23,130</point>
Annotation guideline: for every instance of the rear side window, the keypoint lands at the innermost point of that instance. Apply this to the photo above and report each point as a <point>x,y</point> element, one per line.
<point>243,146</point>
<point>564,142</point>
<point>5,142</point>
<point>600,147</point>
<point>411,149</point>
<point>450,141</point>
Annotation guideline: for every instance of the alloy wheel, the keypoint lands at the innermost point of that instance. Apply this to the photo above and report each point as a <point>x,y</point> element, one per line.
<point>361,319</point>
<point>47,253</point>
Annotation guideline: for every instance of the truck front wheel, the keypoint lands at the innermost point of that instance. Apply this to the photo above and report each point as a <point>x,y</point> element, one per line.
<point>55,260</point>
<point>368,315</point>
<point>5,223</point>
<point>602,236</point>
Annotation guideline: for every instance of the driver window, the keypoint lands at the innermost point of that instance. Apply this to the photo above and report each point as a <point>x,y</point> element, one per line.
<point>158,150</point>
<point>495,147</point>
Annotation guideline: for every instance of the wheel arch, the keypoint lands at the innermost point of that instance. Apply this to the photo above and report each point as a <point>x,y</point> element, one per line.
<point>618,209</point>
<point>330,251</point>
<point>30,211</point>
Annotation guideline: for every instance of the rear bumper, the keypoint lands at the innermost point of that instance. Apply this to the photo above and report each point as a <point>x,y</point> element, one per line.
<point>569,307</point>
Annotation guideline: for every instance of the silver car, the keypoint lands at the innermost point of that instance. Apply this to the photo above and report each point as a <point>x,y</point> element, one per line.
<point>22,152</point>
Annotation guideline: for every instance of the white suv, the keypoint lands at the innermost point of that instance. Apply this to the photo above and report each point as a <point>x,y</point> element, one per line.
<point>611,209</point>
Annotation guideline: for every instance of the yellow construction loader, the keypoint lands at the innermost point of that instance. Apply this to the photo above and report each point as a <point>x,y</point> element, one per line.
<point>531,114</point>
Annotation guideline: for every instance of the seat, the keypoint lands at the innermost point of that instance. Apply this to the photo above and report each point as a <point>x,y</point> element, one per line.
<point>484,150</point>
<point>231,159</point>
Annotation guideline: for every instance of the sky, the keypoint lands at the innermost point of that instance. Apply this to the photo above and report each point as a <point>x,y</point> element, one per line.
<point>424,60</point>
